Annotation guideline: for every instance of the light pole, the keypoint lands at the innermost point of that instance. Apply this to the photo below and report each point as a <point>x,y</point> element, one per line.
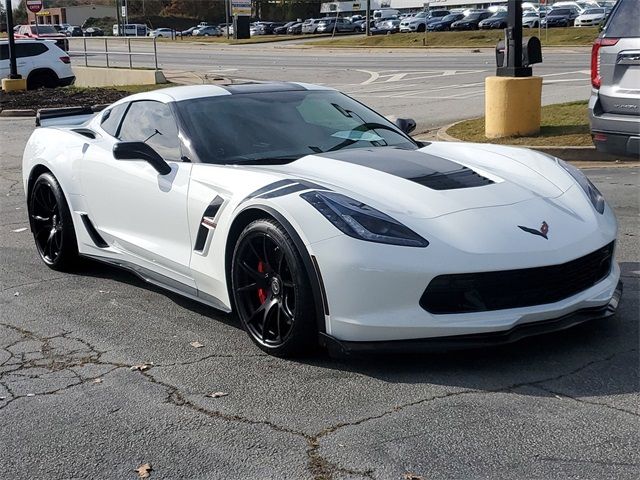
<point>368,18</point>
<point>13,68</point>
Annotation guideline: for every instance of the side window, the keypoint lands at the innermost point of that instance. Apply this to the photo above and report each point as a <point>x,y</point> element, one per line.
<point>153,123</point>
<point>623,22</point>
<point>111,118</point>
<point>30,49</point>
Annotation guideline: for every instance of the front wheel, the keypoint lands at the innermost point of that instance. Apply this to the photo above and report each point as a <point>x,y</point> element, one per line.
<point>52,225</point>
<point>271,290</point>
<point>421,28</point>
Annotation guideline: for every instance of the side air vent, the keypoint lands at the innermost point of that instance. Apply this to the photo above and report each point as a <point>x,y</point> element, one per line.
<point>93,233</point>
<point>207,223</point>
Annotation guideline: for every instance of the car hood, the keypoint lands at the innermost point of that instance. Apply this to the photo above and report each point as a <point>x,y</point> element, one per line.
<point>591,16</point>
<point>430,182</point>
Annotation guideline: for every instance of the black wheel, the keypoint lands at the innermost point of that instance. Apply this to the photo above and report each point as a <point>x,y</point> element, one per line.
<point>43,78</point>
<point>271,290</point>
<point>421,28</point>
<point>51,224</point>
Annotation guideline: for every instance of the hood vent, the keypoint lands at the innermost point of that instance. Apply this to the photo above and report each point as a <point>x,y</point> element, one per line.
<point>428,170</point>
<point>461,178</point>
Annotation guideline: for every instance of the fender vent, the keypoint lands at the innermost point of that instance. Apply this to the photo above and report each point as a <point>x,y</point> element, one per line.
<point>93,233</point>
<point>207,223</point>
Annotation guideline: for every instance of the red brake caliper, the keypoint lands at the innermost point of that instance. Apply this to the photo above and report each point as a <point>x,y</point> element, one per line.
<point>262,295</point>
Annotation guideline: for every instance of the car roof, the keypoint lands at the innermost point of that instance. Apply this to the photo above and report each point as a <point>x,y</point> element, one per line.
<point>186,92</point>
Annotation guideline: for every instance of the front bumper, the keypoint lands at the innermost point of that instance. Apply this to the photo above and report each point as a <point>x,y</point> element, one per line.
<point>478,340</point>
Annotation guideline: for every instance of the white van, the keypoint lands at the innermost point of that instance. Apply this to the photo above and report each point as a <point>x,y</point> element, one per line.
<point>385,14</point>
<point>132,30</point>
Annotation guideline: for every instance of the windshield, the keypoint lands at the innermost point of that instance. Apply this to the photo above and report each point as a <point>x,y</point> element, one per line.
<point>451,17</point>
<point>559,12</point>
<point>279,127</point>
<point>473,16</point>
<point>43,29</point>
<point>594,11</point>
<point>530,14</point>
<point>499,15</point>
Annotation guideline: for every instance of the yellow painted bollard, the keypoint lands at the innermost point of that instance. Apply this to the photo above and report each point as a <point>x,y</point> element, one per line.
<point>14,84</point>
<point>512,106</point>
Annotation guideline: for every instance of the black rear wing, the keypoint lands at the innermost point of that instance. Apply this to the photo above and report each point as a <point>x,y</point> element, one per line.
<point>46,117</point>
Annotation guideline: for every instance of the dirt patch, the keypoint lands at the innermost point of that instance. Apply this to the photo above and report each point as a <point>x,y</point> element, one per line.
<point>66,97</point>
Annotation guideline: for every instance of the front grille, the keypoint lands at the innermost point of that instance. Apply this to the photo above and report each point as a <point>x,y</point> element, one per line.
<point>485,291</point>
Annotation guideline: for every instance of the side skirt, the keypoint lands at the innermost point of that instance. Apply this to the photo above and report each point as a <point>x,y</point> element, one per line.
<point>164,282</point>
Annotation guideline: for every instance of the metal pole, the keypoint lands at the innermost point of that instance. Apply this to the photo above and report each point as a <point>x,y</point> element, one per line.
<point>106,51</point>
<point>86,60</point>
<point>226,16</point>
<point>130,57</point>
<point>13,67</point>
<point>368,18</point>
<point>155,53</point>
<point>118,18</point>
<point>335,24</point>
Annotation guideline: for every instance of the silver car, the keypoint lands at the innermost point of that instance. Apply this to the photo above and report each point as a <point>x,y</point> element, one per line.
<point>614,106</point>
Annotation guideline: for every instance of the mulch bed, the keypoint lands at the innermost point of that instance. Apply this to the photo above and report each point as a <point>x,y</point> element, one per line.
<point>59,97</point>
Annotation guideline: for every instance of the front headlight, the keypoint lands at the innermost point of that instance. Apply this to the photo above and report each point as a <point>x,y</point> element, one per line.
<point>360,221</point>
<point>597,200</point>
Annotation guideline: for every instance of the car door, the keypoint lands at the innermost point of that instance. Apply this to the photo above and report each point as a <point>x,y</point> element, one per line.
<point>138,211</point>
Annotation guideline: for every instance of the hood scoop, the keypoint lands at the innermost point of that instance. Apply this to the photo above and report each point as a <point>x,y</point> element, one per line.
<point>427,170</point>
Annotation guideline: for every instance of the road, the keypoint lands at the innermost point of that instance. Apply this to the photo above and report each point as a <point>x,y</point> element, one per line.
<point>71,406</point>
<point>435,87</point>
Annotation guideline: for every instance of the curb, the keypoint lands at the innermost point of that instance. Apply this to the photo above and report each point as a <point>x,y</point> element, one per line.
<point>18,113</point>
<point>571,153</point>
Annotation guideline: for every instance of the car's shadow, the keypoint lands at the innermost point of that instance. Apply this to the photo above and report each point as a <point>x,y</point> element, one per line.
<point>596,350</point>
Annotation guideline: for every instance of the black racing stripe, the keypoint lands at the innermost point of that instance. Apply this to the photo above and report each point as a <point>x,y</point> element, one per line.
<point>296,187</point>
<point>268,188</point>
<point>428,170</point>
<point>262,87</point>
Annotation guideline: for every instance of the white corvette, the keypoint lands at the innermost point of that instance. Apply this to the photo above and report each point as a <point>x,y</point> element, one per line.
<point>319,221</point>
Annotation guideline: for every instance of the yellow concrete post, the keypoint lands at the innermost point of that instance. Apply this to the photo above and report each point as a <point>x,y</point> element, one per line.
<point>512,106</point>
<point>14,84</point>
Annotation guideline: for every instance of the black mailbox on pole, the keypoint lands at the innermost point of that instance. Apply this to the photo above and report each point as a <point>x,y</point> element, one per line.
<point>519,54</point>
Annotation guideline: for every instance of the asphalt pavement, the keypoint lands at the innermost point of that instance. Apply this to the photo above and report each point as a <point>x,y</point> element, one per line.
<point>434,86</point>
<point>76,401</point>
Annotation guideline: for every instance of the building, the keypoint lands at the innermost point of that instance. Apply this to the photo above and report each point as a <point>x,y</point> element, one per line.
<point>72,15</point>
<point>404,5</point>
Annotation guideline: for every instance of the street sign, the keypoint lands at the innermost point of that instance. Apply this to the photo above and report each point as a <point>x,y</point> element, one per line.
<point>124,11</point>
<point>34,5</point>
<point>241,8</point>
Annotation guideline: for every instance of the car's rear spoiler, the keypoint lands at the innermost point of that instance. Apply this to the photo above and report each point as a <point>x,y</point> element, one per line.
<point>47,117</point>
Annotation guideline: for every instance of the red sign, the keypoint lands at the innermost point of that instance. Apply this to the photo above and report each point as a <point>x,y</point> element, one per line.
<point>34,5</point>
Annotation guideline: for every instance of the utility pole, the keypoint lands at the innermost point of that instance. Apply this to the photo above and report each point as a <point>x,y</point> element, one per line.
<point>368,18</point>
<point>118,22</point>
<point>13,68</point>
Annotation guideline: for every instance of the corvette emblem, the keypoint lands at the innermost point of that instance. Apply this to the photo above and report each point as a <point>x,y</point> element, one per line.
<point>544,230</point>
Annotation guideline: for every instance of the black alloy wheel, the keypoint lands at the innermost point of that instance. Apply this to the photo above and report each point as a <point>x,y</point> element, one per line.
<point>51,224</point>
<point>271,290</point>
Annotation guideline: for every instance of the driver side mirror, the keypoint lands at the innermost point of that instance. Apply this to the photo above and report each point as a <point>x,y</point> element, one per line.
<point>407,125</point>
<point>141,151</point>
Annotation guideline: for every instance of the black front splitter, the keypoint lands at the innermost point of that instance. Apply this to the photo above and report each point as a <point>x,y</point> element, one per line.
<point>477,340</point>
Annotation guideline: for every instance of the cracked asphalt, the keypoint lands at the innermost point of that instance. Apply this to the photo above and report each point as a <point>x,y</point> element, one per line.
<point>71,406</point>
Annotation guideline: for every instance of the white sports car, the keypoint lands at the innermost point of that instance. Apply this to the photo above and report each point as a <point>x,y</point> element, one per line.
<point>318,221</point>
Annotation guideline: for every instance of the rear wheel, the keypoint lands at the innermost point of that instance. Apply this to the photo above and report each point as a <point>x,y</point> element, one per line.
<point>42,78</point>
<point>52,225</point>
<point>271,290</point>
<point>421,28</point>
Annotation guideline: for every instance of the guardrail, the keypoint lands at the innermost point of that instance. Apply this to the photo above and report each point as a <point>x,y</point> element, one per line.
<point>106,53</point>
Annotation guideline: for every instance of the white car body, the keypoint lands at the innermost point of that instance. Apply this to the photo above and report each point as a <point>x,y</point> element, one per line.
<point>162,33</point>
<point>372,291</point>
<point>589,19</point>
<point>47,58</point>
<point>530,19</point>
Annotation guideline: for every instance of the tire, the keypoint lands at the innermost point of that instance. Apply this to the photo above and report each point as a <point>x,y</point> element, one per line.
<point>421,28</point>
<point>42,79</point>
<point>274,302</point>
<point>52,225</point>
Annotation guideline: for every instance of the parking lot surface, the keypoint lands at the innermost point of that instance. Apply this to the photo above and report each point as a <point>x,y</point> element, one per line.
<point>77,402</point>
<point>401,82</point>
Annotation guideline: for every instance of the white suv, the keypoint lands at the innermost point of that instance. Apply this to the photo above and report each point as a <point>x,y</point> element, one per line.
<point>41,62</point>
